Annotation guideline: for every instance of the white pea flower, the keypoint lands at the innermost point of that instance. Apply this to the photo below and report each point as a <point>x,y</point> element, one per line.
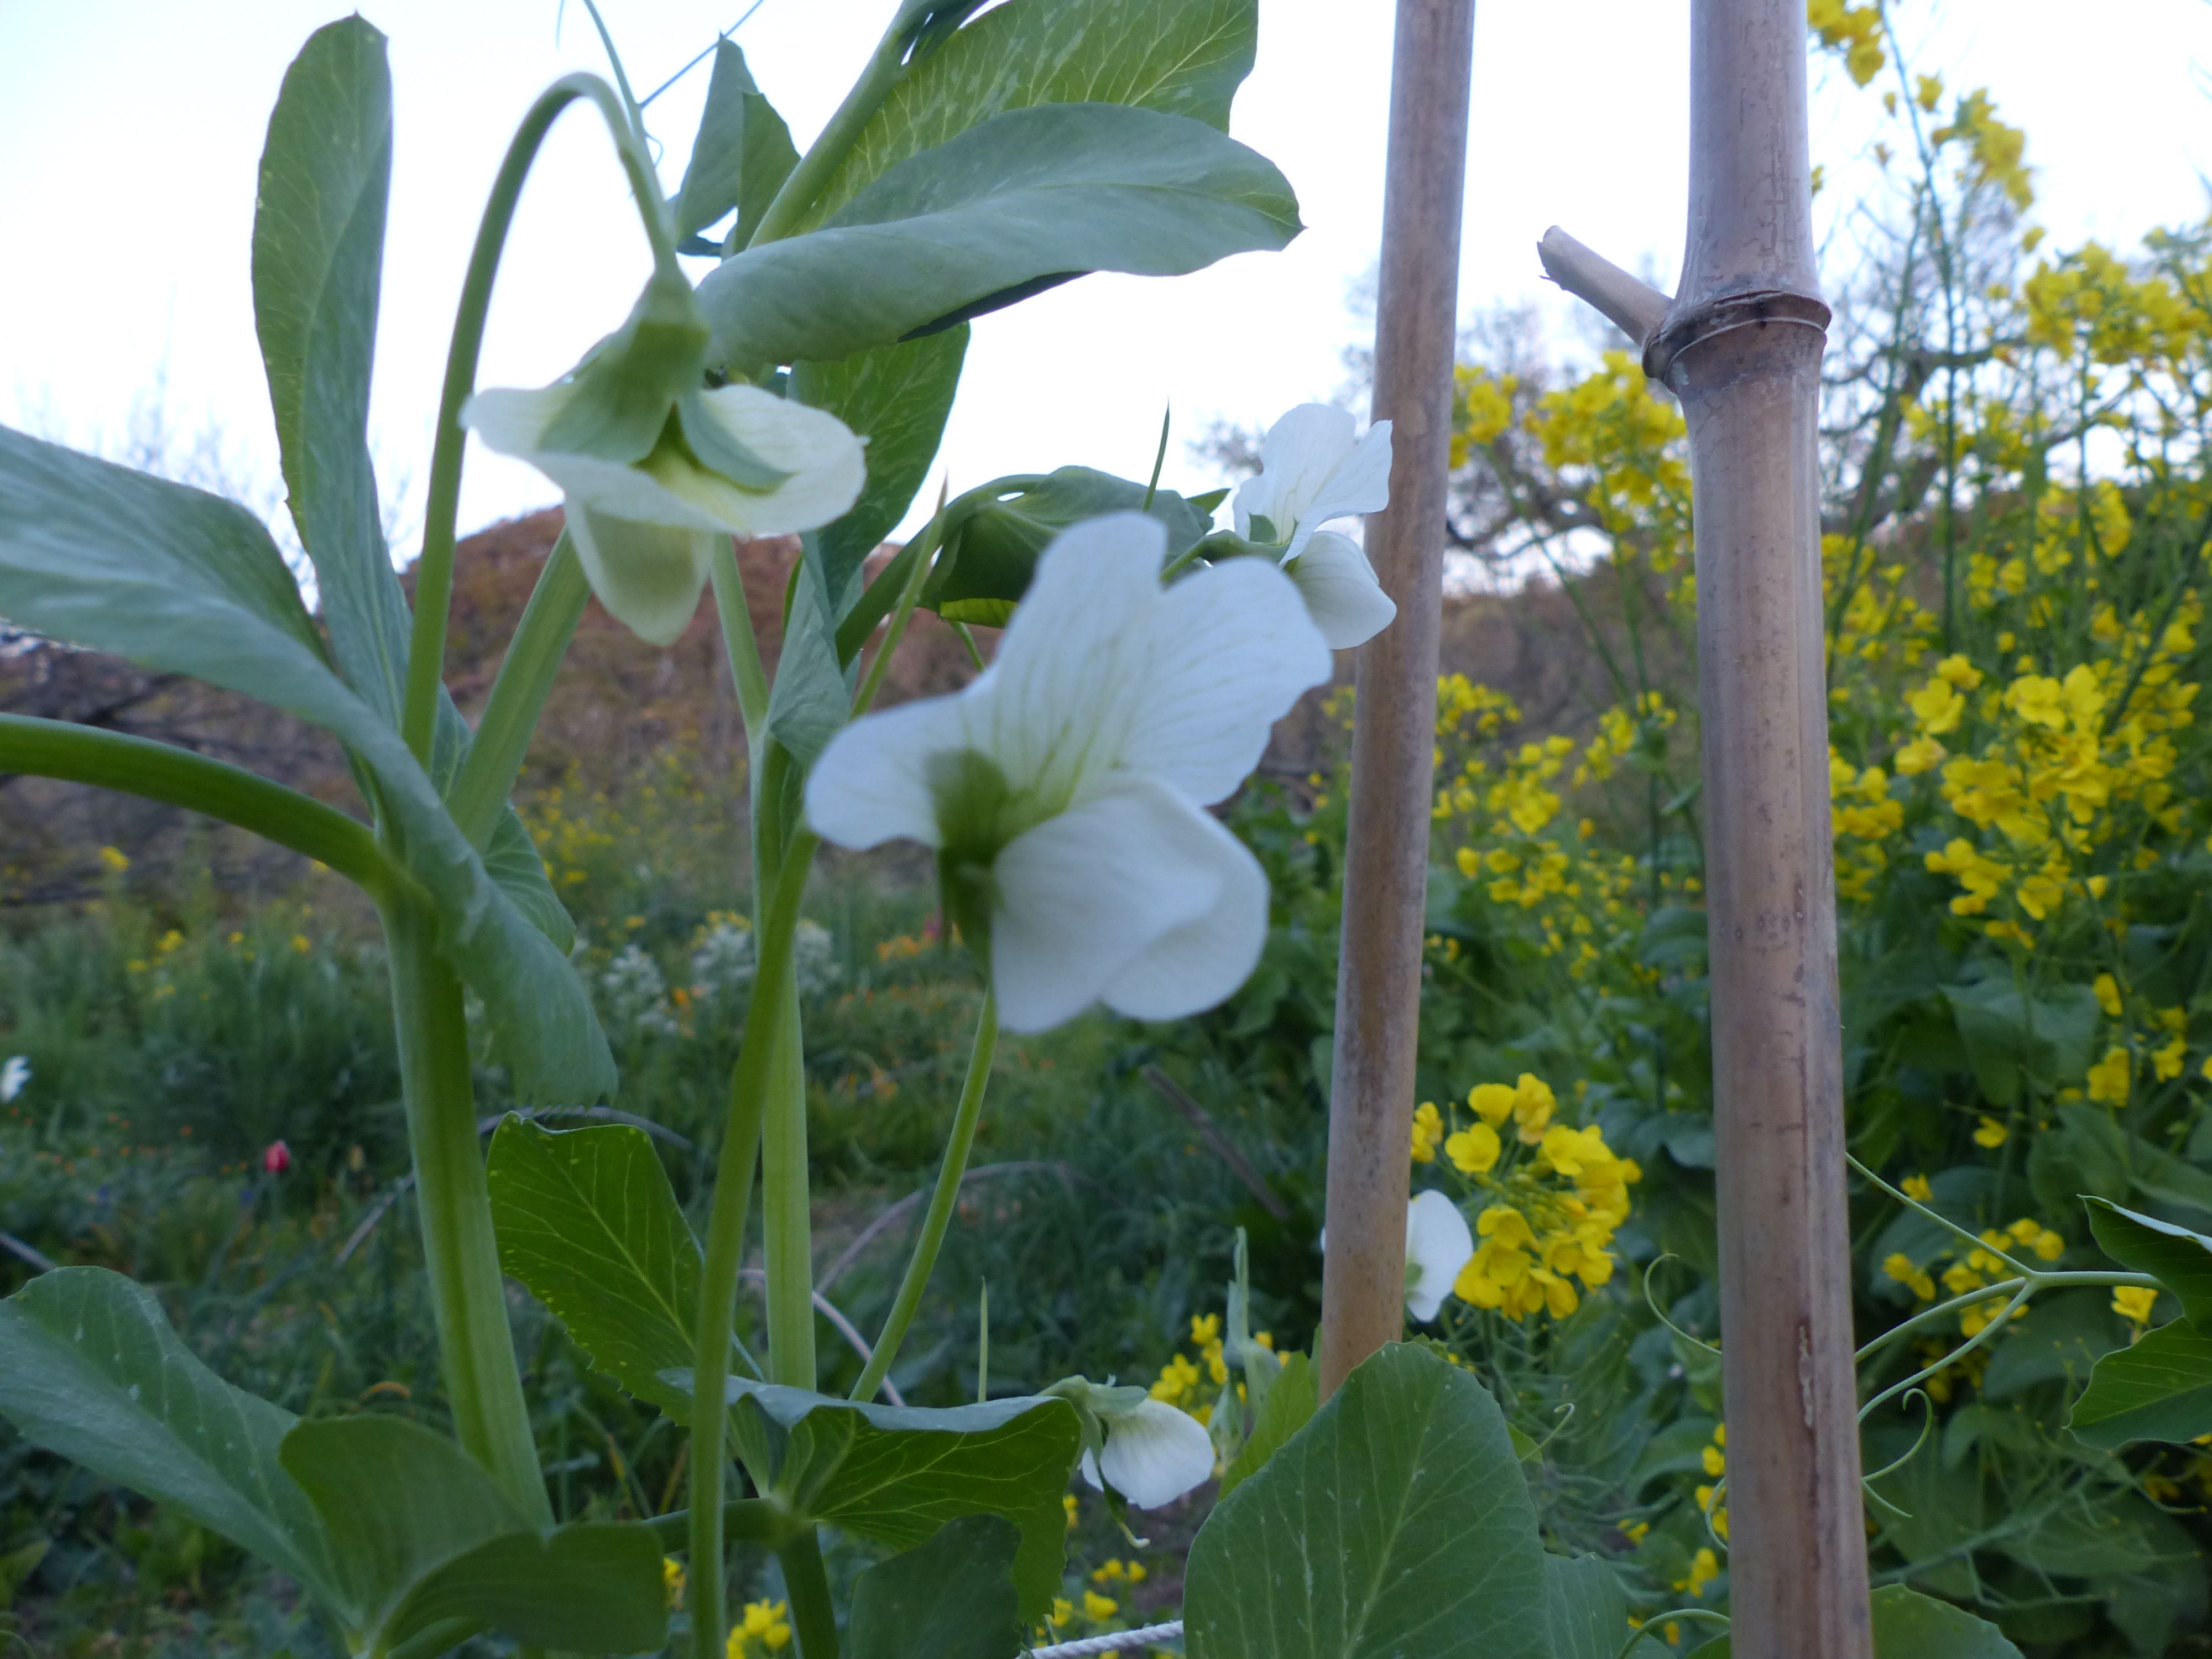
<point>654,468</point>
<point>1313,472</point>
<point>1154,1453</point>
<point>1437,1245</point>
<point>13,1076</point>
<point>1063,789</point>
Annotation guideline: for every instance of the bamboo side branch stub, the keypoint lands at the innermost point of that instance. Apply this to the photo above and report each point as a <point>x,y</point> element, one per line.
<point>1740,345</point>
<point>1386,858</point>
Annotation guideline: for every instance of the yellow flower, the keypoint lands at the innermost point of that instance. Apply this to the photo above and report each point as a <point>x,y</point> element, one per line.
<point>1177,1379</point>
<point>768,1623</point>
<point>1490,1101</point>
<point>2134,1303</point>
<point>1916,1186</point>
<point>1937,707</point>
<point>1922,754</point>
<point>2109,1078</point>
<point>1533,1104</point>
<point>115,860</point>
<point>1062,1610</point>
<point>1705,1567</point>
<point>2168,1060</point>
<point>1068,1503</point>
<point>1899,1267</point>
<point>671,1580</point>
<point>1991,1134</point>
<point>2108,995</point>
<point>1714,1460</point>
<point>1428,1131</point>
<point>1474,1149</point>
<point>1097,1607</point>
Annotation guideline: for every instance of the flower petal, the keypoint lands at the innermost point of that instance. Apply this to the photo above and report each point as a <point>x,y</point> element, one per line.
<point>647,575</point>
<point>514,423</point>
<point>871,784</point>
<point>1359,482</point>
<point>1070,671</point>
<point>825,460</point>
<point>1437,1245</point>
<point>1296,457</point>
<point>1156,1453</point>
<point>1231,649</point>
<point>1196,965</point>
<point>1340,592</point>
<point>1083,896</point>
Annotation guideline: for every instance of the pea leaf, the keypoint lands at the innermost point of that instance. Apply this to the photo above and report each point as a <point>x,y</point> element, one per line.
<point>1179,57</point>
<point>2178,1259</point>
<point>898,398</point>
<point>90,1369</point>
<point>742,156</point>
<point>2159,1388</point>
<point>184,582</point>
<point>895,1474</point>
<point>811,698</point>
<point>1909,1625</point>
<point>1289,1405</point>
<point>991,547</point>
<point>1587,1608</point>
<point>950,1598</point>
<point>1028,195</point>
<point>1395,1522</point>
<point>318,261</point>
<point>589,1224</point>
<point>429,1545</point>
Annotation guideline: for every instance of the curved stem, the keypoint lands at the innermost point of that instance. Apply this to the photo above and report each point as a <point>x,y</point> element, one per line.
<point>487,776</point>
<point>434,571</point>
<point>162,772</point>
<point>468,1297</point>
<point>941,1203</point>
<point>2034,1281</point>
<point>750,1087</point>
<point>1658,1621</point>
<point>835,142</point>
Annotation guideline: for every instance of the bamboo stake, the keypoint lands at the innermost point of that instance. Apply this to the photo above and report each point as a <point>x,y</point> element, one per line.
<point>1387,855</point>
<point>1741,346</point>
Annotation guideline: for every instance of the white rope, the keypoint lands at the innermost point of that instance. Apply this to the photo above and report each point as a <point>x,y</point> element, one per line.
<point>1114,1644</point>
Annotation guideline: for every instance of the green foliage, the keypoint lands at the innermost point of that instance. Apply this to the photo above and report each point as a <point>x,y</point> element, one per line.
<point>1908,1625</point>
<point>979,221</point>
<point>2158,1388</point>
<point>1403,1501</point>
<point>741,157</point>
<point>952,1597</point>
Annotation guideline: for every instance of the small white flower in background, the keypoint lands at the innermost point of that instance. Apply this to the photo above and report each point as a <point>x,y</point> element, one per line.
<point>633,993</point>
<point>724,963</point>
<point>1437,1245</point>
<point>1063,789</point>
<point>1154,1454</point>
<point>14,1074</point>
<point>1314,472</point>
<point>653,467</point>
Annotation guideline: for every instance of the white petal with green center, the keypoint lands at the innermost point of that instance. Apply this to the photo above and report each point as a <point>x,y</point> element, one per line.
<point>826,463</point>
<point>871,784</point>
<point>1312,471</point>
<point>1081,899</point>
<point>1340,592</point>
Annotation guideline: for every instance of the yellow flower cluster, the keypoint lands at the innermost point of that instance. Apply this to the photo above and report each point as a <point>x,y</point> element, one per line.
<point>1482,410</point>
<point>1854,33</point>
<point>768,1623</point>
<point>1185,1382</point>
<point>1555,1195</point>
<point>1714,1460</point>
<point>1995,152</point>
<point>1977,1268</point>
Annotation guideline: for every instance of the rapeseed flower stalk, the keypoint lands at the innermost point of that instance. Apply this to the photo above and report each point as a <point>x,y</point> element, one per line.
<point>1064,790</point>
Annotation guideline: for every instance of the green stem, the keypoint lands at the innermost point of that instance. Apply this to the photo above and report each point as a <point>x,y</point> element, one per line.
<point>434,571</point>
<point>468,1297</point>
<point>941,1203</point>
<point>786,1217</point>
<point>1657,1622</point>
<point>917,573</point>
<point>751,1086</point>
<point>162,772</point>
<point>1935,1313</point>
<point>756,1520</point>
<point>805,1582</point>
<point>738,642</point>
<point>487,776</point>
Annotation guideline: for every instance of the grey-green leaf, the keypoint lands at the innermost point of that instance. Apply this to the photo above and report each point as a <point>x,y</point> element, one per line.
<point>898,398</point>
<point>950,1598</point>
<point>588,1222</point>
<point>2008,1034</point>
<point>1395,1523</point>
<point>594,1586</point>
<point>1289,1405</point>
<point>895,1474</point>
<point>90,1369</point>
<point>811,698</point>
<point>2178,1259</point>
<point>991,548</point>
<point>2158,1388</point>
<point>318,260</point>
<point>1179,57</point>
<point>1029,194</point>
<point>742,153</point>
<point>1587,1610</point>
<point>1909,1625</point>
<point>180,580</point>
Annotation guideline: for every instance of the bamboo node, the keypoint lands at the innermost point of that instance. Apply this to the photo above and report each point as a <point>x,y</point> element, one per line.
<point>1688,326</point>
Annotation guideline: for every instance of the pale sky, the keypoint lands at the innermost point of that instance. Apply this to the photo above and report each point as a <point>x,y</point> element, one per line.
<point>129,132</point>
